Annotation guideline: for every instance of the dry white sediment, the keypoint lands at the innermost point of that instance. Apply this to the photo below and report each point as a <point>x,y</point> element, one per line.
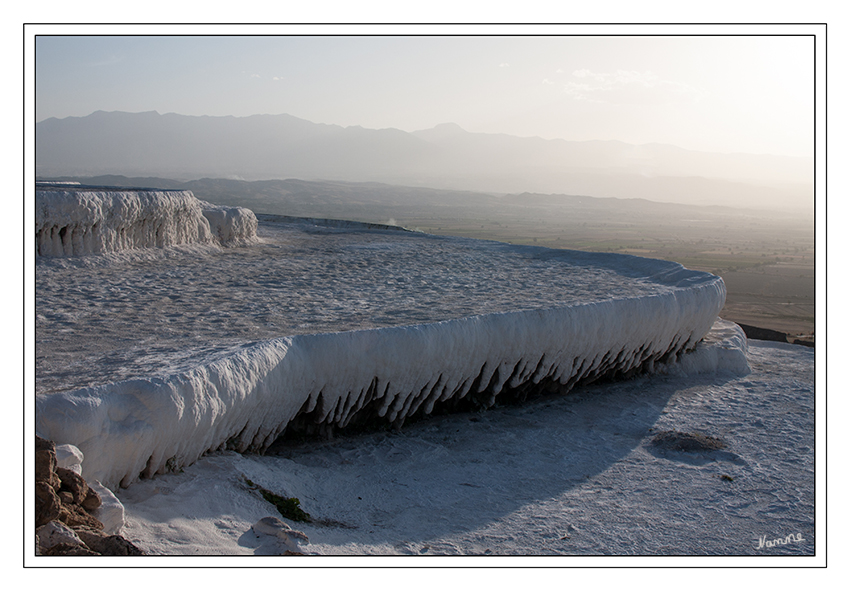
<point>599,315</point>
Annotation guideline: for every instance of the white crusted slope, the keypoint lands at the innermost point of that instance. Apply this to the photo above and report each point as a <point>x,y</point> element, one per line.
<point>80,221</point>
<point>230,225</point>
<point>724,349</point>
<point>246,398</point>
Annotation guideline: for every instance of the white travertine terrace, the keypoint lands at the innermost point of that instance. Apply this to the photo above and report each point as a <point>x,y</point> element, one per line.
<point>330,326</point>
<point>230,225</point>
<point>76,220</point>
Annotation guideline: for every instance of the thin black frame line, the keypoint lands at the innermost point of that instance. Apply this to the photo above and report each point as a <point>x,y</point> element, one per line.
<point>513,35</point>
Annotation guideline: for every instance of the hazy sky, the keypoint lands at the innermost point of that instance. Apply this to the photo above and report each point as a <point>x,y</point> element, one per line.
<point>719,93</point>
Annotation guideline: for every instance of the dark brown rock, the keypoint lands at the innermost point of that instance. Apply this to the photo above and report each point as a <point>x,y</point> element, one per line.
<point>42,444</point>
<point>73,483</point>
<point>64,496</point>
<point>92,501</point>
<point>69,550</point>
<point>107,545</point>
<point>45,468</point>
<point>74,516</point>
<point>47,504</point>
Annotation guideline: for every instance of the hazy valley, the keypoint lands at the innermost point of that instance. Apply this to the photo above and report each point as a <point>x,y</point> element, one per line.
<point>445,157</point>
<point>746,217</point>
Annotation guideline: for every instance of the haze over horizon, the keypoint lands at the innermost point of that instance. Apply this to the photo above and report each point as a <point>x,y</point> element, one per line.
<point>742,94</point>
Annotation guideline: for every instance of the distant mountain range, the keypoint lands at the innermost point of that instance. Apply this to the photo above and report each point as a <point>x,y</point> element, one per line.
<point>444,157</point>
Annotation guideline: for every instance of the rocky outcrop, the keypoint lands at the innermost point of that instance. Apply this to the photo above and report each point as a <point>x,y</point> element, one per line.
<point>767,334</point>
<point>289,540</point>
<point>763,334</point>
<point>64,504</point>
<point>75,220</point>
<point>230,225</point>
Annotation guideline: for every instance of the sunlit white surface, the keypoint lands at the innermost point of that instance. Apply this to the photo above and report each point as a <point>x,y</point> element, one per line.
<point>147,359</point>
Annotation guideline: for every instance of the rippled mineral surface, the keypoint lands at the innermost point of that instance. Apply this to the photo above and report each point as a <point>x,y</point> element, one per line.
<point>150,312</point>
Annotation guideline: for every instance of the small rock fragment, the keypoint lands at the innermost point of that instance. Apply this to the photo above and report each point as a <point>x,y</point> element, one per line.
<point>74,516</point>
<point>73,483</point>
<point>42,444</point>
<point>70,457</point>
<point>107,545</point>
<point>92,500</point>
<point>289,538</point>
<point>45,468</point>
<point>47,504</point>
<point>54,533</point>
<point>69,550</point>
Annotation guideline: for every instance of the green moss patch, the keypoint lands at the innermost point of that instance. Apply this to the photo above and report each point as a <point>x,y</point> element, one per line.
<point>289,507</point>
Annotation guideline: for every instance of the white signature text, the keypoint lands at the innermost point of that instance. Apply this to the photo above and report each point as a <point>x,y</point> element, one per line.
<point>765,543</point>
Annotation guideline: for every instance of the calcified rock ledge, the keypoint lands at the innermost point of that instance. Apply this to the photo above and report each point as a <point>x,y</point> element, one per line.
<point>74,220</point>
<point>244,400</point>
<point>595,315</point>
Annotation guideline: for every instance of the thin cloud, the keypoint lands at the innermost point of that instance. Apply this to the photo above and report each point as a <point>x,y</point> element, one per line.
<point>626,87</point>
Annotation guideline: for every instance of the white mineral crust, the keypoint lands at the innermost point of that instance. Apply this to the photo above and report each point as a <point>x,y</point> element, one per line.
<point>72,222</point>
<point>503,317</point>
